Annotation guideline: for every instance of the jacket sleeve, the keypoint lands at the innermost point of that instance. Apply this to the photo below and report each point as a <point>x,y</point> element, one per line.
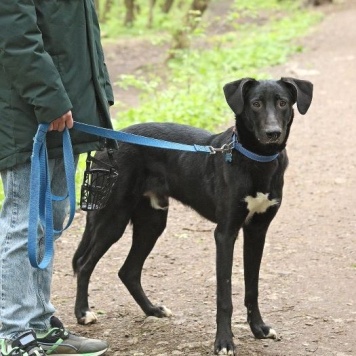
<point>26,63</point>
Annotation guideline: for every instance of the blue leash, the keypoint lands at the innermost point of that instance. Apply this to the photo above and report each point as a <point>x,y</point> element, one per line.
<point>153,142</point>
<point>41,197</point>
<point>139,140</point>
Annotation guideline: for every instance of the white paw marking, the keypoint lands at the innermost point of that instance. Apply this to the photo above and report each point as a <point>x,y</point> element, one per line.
<point>272,334</point>
<point>167,313</point>
<point>258,204</point>
<point>89,318</point>
<point>225,352</point>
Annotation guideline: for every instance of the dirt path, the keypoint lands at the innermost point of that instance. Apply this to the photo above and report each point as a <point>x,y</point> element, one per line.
<point>308,278</point>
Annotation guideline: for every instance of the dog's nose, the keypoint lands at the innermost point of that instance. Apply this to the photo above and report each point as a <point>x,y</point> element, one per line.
<point>273,135</point>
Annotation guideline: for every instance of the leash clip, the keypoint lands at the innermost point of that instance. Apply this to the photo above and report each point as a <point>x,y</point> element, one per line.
<point>212,150</point>
<point>225,148</point>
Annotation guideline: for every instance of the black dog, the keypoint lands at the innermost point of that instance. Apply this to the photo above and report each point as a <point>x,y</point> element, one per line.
<point>240,188</point>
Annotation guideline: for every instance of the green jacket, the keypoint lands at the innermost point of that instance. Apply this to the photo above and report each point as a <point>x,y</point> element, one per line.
<point>51,61</point>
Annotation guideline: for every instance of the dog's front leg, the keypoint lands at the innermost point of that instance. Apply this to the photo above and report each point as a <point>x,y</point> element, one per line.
<point>225,241</point>
<point>254,240</point>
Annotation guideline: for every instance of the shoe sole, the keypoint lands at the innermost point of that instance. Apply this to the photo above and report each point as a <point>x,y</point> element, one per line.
<point>98,353</point>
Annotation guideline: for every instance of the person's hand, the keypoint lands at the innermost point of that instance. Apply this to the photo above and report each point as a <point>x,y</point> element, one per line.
<point>62,122</point>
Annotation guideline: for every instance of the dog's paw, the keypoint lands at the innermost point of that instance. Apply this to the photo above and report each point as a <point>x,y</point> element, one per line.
<point>226,352</point>
<point>165,311</point>
<point>264,332</point>
<point>160,311</point>
<point>88,318</point>
<point>272,334</point>
<point>224,346</point>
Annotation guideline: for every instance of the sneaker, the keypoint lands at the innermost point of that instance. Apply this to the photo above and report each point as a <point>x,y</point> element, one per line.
<point>25,345</point>
<point>58,341</point>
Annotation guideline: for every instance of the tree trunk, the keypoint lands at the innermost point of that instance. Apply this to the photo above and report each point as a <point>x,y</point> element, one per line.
<point>167,5</point>
<point>107,9</point>
<point>150,13</point>
<point>318,2</point>
<point>130,13</point>
<point>200,5</point>
<point>181,37</point>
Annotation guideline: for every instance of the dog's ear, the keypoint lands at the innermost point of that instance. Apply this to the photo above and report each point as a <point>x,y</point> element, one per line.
<point>234,94</point>
<point>303,92</point>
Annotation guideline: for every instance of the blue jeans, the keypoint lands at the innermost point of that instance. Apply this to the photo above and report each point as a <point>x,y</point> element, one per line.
<point>25,291</point>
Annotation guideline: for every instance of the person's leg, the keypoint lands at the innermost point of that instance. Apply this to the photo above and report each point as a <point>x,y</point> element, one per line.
<point>25,291</point>
<point>41,322</point>
<point>18,280</point>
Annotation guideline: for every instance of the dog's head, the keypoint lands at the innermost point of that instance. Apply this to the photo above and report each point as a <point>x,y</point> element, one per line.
<point>265,107</point>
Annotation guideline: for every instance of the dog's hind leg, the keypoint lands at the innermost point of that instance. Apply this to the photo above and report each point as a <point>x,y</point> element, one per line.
<point>103,228</point>
<point>254,240</point>
<point>148,225</point>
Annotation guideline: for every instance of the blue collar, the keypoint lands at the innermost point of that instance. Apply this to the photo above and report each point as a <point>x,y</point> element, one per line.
<point>255,157</point>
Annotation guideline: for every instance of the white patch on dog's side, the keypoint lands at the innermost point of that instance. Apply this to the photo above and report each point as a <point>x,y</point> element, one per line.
<point>155,203</point>
<point>89,318</point>
<point>258,204</point>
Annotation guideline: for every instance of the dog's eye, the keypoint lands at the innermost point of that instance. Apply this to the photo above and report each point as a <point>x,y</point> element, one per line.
<point>256,104</point>
<point>282,103</point>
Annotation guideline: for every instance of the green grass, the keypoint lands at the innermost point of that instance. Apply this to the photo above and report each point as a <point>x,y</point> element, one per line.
<point>263,33</point>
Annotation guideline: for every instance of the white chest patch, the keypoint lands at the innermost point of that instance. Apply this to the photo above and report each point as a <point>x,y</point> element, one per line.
<point>258,204</point>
